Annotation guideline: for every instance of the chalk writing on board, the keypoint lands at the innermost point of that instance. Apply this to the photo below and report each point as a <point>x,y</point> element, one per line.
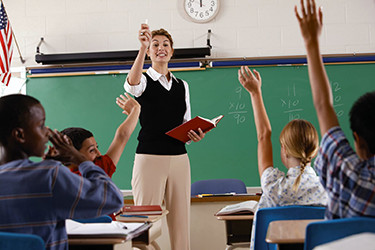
<point>237,108</point>
<point>291,103</point>
<point>337,98</point>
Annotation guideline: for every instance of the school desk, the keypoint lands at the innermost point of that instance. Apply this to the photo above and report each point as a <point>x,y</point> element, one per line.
<point>238,230</point>
<point>206,231</point>
<point>149,237</point>
<point>83,243</point>
<point>288,234</point>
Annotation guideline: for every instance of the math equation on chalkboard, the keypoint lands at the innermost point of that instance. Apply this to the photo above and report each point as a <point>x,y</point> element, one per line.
<point>237,107</point>
<point>291,103</point>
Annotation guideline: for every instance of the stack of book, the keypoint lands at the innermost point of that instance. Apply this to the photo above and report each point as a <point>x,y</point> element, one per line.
<point>142,210</point>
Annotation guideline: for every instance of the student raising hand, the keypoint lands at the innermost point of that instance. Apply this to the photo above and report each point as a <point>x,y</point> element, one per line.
<point>311,22</point>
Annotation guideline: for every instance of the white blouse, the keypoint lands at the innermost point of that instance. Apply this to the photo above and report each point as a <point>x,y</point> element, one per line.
<point>278,190</point>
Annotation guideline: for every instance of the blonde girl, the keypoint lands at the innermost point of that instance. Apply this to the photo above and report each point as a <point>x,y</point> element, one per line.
<point>299,145</point>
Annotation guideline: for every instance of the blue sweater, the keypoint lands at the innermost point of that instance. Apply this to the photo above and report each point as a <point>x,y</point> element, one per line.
<point>37,197</point>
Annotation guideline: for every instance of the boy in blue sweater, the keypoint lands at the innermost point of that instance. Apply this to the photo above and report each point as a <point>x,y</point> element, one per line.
<point>37,197</point>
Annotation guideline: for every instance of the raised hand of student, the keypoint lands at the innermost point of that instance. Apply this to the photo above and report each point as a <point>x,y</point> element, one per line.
<point>310,21</point>
<point>251,81</point>
<point>127,103</point>
<point>196,137</point>
<point>144,35</point>
<point>64,150</point>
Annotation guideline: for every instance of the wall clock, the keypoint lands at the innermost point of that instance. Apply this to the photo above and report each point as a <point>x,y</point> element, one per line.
<point>201,11</point>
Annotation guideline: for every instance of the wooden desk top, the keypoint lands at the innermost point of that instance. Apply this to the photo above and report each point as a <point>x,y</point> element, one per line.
<point>234,217</point>
<point>287,231</point>
<point>239,198</point>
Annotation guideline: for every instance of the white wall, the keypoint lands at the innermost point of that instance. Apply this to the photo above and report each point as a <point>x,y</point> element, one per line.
<point>250,28</point>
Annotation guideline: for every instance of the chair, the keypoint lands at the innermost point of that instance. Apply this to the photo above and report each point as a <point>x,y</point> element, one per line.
<point>20,241</point>
<point>265,215</point>
<point>218,186</point>
<point>321,232</point>
<point>100,219</point>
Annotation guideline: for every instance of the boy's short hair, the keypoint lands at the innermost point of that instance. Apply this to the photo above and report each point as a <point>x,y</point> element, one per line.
<point>77,135</point>
<point>14,112</point>
<point>362,119</point>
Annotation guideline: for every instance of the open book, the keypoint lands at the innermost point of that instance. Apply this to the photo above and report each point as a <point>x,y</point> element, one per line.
<point>142,210</point>
<point>246,207</point>
<point>75,229</point>
<point>180,132</point>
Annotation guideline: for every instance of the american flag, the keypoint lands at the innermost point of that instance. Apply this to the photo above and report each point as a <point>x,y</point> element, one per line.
<point>6,46</point>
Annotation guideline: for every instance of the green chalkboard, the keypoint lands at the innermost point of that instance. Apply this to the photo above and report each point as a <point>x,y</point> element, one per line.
<point>228,151</point>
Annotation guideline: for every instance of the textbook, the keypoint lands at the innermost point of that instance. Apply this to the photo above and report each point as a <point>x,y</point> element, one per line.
<point>76,229</point>
<point>181,132</point>
<point>246,207</point>
<point>142,210</point>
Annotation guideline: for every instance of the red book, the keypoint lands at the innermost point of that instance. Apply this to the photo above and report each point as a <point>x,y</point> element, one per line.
<point>181,132</point>
<point>142,210</point>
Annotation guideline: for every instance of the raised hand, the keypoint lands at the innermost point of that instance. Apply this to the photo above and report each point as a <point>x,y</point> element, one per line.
<point>144,35</point>
<point>251,81</point>
<point>310,21</point>
<point>127,103</point>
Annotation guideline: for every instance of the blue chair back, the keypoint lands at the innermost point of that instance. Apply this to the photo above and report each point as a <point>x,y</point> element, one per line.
<point>265,215</point>
<point>218,186</point>
<point>100,219</point>
<point>20,241</point>
<point>321,232</point>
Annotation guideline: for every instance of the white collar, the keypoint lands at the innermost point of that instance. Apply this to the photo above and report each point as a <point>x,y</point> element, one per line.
<point>156,75</point>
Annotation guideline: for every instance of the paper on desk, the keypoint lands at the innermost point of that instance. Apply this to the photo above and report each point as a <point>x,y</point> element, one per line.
<point>113,229</point>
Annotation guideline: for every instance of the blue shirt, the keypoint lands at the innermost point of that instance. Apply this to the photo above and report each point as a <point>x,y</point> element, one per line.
<point>348,180</point>
<point>37,197</point>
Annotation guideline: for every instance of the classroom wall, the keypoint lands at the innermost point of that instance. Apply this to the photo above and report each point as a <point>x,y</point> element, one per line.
<point>243,28</point>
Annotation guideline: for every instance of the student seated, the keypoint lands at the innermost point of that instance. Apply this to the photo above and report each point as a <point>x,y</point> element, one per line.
<point>299,144</point>
<point>84,141</point>
<point>347,175</point>
<point>37,197</point>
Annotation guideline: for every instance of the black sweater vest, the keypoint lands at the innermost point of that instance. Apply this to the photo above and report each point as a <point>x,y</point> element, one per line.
<point>161,111</point>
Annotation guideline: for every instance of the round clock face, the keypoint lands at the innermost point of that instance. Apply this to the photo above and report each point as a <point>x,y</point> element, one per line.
<point>201,10</point>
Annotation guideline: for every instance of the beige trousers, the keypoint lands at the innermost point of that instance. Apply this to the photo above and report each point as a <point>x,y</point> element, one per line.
<point>166,177</point>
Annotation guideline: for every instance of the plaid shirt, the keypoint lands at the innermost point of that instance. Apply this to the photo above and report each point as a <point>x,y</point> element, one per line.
<point>348,180</point>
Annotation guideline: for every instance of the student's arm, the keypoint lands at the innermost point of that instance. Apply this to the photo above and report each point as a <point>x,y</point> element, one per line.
<point>311,23</point>
<point>252,83</point>
<point>131,108</point>
<point>135,73</point>
<point>87,196</point>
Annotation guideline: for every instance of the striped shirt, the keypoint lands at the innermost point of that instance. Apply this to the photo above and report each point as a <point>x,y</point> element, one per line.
<point>37,197</point>
<point>348,180</point>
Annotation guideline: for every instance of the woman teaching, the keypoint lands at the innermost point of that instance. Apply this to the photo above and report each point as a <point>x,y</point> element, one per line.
<point>161,166</point>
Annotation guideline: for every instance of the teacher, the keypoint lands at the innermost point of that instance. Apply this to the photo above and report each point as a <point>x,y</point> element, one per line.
<point>161,167</point>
